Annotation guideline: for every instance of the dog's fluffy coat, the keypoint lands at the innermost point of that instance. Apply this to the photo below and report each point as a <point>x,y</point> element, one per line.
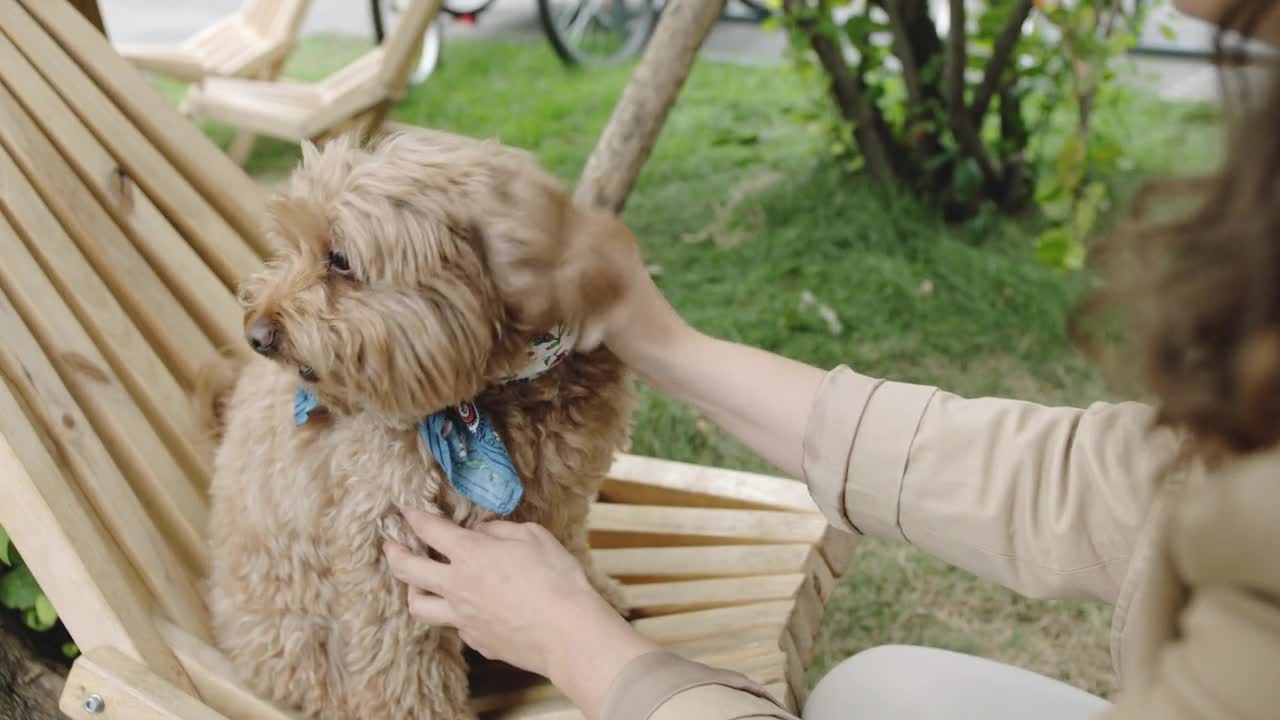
<point>459,251</point>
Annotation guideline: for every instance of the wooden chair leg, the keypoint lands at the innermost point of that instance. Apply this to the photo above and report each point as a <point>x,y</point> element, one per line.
<point>241,147</point>
<point>376,118</point>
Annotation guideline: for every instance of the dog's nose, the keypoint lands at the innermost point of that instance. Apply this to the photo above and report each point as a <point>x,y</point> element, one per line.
<point>263,336</point>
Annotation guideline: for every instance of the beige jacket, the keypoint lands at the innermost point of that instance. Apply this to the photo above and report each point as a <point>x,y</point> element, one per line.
<point>1052,502</point>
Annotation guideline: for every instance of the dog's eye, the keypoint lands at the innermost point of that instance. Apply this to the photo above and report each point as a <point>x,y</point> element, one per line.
<point>339,263</point>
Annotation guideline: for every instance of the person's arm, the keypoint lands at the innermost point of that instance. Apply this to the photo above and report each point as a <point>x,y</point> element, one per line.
<point>516,595</point>
<point>1047,501</point>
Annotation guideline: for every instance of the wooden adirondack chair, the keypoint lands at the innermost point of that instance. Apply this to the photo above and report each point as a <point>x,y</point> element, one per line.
<point>252,42</point>
<point>123,233</point>
<point>357,97</point>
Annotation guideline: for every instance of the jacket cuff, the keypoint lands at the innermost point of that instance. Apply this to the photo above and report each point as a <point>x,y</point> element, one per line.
<point>649,681</point>
<point>857,441</point>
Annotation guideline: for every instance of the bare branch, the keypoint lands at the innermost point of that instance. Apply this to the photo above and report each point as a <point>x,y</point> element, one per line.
<point>957,111</point>
<point>903,49</point>
<point>1001,54</point>
<point>869,127</point>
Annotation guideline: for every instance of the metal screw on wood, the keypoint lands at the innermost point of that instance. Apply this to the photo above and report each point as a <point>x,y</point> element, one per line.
<point>94,704</point>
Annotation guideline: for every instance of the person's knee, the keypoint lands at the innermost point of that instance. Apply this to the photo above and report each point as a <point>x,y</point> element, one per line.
<point>868,684</point>
<point>905,682</point>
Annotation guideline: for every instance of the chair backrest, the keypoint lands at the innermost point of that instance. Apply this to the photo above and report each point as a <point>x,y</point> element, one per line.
<point>401,47</point>
<point>123,233</point>
<point>274,19</point>
<point>378,75</point>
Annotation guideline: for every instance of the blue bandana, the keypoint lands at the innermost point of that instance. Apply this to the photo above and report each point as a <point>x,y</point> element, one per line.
<point>464,443</point>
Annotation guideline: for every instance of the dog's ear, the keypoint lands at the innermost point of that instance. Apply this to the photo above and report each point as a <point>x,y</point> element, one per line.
<point>551,260</point>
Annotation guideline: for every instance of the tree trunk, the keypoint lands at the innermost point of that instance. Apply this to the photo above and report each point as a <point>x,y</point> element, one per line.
<point>848,88</point>
<point>633,129</point>
<point>29,686</point>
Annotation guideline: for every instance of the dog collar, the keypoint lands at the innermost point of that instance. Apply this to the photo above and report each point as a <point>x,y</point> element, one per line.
<point>463,442</point>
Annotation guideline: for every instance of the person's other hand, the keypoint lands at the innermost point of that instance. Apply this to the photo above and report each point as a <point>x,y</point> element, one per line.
<point>516,595</point>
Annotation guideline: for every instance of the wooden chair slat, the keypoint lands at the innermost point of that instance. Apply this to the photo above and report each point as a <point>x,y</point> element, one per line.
<point>74,559</point>
<point>137,449</point>
<point>132,280</point>
<point>31,376</point>
<point>205,227</point>
<point>210,171</point>
<point>200,291</point>
<point>764,526</point>
<point>400,47</point>
<point>698,624</point>
<point>356,97</point>
<point>806,618</point>
<point>221,50</point>
<point>95,302</point>
<point>795,669</point>
<point>361,71</point>
<point>242,60</point>
<point>280,110</point>
<point>702,562</point>
<point>214,678</point>
<point>228,31</point>
<point>635,479</point>
<point>837,548</point>
<point>176,62</point>
<point>824,581</point>
<point>654,599</point>
<point>128,691</point>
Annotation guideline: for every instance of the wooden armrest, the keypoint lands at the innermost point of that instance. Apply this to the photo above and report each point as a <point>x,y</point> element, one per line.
<point>104,684</point>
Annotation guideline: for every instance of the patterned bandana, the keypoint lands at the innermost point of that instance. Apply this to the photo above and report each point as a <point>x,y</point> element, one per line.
<point>462,440</point>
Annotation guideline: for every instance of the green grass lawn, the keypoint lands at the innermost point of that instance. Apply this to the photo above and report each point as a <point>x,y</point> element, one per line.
<point>756,237</point>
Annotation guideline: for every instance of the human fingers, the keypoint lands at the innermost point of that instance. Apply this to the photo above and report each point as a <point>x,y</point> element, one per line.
<point>507,530</point>
<point>431,609</point>
<point>435,531</point>
<point>415,570</point>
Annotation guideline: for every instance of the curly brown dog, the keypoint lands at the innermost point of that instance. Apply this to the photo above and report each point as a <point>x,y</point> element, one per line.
<point>390,302</point>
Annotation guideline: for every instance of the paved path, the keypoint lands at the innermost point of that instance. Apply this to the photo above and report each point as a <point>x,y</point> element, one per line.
<point>131,21</point>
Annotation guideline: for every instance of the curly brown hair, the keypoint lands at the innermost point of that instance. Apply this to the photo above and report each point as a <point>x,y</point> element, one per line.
<point>1193,296</point>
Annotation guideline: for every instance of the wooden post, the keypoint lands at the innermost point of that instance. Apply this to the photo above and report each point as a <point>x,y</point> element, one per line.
<point>637,119</point>
<point>89,8</point>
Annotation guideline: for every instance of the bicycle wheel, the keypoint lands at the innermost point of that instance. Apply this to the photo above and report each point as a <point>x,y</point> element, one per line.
<point>597,32</point>
<point>388,14</point>
<point>466,7</point>
<point>758,8</point>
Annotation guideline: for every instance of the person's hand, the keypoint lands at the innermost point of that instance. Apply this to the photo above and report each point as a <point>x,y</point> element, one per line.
<point>516,595</point>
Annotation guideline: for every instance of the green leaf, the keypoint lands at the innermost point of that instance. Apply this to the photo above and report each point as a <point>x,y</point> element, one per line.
<point>1057,210</point>
<point>42,616</point>
<point>19,589</point>
<point>1168,32</point>
<point>45,610</point>
<point>1092,201</point>
<point>1057,247</point>
<point>70,650</point>
<point>4,548</point>
<point>771,23</point>
<point>1070,167</point>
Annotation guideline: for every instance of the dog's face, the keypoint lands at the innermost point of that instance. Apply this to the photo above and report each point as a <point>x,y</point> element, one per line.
<point>381,295</point>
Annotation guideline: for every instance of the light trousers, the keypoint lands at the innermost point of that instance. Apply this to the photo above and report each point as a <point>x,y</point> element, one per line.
<point>901,682</point>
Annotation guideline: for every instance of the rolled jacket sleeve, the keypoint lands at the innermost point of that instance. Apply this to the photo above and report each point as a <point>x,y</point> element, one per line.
<point>665,686</point>
<point>1047,501</point>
